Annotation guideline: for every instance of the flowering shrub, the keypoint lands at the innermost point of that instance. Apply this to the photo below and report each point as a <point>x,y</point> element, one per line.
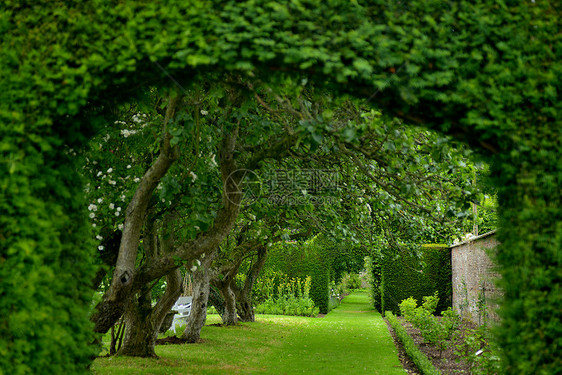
<point>292,298</point>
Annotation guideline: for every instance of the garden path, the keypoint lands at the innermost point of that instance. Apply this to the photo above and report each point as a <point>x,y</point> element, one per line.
<point>351,339</point>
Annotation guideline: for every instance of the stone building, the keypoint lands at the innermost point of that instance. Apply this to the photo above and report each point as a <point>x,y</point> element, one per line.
<point>475,295</point>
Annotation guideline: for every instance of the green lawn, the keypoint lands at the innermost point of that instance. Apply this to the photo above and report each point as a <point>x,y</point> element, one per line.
<point>352,339</point>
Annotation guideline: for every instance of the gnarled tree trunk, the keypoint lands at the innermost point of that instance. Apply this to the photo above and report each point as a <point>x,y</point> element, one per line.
<point>201,289</point>
<point>118,296</point>
<point>143,322</point>
<point>226,289</point>
<point>244,294</point>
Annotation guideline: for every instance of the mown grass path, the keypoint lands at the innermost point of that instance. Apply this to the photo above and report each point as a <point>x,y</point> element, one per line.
<point>352,339</point>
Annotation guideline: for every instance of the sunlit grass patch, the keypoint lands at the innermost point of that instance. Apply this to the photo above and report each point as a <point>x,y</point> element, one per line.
<point>344,342</point>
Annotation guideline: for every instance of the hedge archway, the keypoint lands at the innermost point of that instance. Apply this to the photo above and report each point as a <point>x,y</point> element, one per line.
<point>486,72</point>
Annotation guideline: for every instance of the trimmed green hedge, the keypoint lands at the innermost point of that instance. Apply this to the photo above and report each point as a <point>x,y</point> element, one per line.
<point>405,275</point>
<point>305,259</point>
<point>420,360</point>
<point>438,270</point>
<point>401,277</point>
<point>66,66</point>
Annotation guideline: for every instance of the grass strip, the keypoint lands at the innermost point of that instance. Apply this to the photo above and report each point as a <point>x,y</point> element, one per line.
<point>351,339</point>
<point>420,360</point>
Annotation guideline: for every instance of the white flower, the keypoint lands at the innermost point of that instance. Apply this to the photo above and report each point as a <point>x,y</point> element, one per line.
<point>120,226</point>
<point>213,161</point>
<point>125,132</point>
<point>111,182</point>
<point>94,225</point>
<point>94,162</point>
<point>129,166</point>
<point>118,208</point>
<point>193,268</point>
<point>163,200</point>
<point>193,175</point>
<point>92,207</point>
<point>198,262</point>
<point>92,215</point>
<point>100,247</point>
<point>111,206</point>
<point>197,228</point>
<point>98,237</point>
<point>99,174</point>
<point>100,200</point>
<point>110,170</point>
<point>136,179</point>
<point>116,213</point>
<point>204,113</point>
<point>122,197</point>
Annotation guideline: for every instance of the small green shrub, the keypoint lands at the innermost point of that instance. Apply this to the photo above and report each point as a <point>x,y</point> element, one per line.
<point>437,332</point>
<point>480,351</point>
<point>408,308</point>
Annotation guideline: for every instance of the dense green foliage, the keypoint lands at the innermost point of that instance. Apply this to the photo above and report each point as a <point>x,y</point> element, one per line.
<point>292,297</point>
<point>302,260</point>
<point>424,365</point>
<point>412,274</point>
<point>487,72</point>
<point>436,260</point>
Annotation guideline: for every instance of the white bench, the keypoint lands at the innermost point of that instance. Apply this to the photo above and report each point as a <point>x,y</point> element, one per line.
<point>183,307</point>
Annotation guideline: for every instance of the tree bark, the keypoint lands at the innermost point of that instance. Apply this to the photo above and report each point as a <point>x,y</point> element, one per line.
<point>201,289</point>
<point>143,322</point>
<point>225,285</point>
<point>230,317</point>
<point>244,295</point>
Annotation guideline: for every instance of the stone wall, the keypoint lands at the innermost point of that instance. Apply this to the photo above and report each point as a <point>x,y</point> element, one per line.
<point>475,295</point>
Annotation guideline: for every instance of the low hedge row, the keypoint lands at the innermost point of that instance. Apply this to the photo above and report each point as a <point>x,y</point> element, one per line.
<point>420,360</point>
